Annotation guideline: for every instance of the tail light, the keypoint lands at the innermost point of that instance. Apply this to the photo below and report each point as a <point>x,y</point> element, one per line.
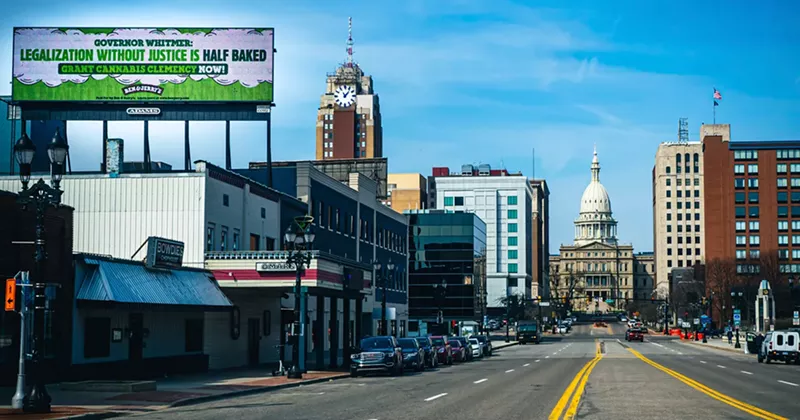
<point>770,345</point>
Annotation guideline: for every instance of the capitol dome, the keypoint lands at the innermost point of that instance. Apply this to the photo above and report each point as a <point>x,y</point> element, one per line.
<point>595,222</point>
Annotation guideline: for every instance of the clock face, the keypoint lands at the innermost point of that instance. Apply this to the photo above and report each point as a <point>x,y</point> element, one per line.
<point>345,95</point>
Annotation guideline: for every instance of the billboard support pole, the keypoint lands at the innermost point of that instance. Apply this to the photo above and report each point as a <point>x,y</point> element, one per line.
<point>105,146</point>
<point>147,165</point>
<point>228,145</point>
<point>269,147</point>
<point>187,150</point>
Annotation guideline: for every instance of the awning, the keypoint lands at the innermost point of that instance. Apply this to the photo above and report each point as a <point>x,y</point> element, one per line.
<point>113,282</point>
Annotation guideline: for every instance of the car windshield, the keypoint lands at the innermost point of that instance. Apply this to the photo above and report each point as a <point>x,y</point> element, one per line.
<point>527,328</point>
<point>438,341</point>
<point>423,341</point>
<point>474,341</point>
<point>407,344</point>
<point>482,338</point>
<point>376,343</point>
<point>454,343</point>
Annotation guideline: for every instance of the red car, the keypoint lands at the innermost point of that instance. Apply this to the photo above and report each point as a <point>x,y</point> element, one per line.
<point>443,349</point>
<point>634,334</point>
<point>459,351</point>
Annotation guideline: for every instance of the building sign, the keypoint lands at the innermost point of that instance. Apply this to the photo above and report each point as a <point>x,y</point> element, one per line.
<point>143,64</point>
<point>274,266</point>
<point>143,111</point>
<point>164,253</point>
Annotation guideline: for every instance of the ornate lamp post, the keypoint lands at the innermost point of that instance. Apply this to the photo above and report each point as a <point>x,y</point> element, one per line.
<point>41,196</point>
<point>299,243</point>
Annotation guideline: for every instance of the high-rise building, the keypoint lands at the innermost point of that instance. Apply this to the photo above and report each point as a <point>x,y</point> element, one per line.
<point>407,192</point>
<point>540,237</point>
<point>678,221</point>
<point>10,131</point>
<point>349,116</point>
<point>505,202</point>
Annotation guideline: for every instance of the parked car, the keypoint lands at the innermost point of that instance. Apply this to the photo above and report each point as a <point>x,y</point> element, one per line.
<point>465,343</point>
<point>430,351</point>
<point>377,354</point>
<point>413,354</point>
<point>780,345</point>
<point>459,351</point>
<point>487,344</point>
<point>634,334</point>
<point>443,350</point>
<point>476,347</point>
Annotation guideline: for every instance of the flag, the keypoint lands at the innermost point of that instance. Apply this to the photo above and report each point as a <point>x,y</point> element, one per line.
<point>717,95</point>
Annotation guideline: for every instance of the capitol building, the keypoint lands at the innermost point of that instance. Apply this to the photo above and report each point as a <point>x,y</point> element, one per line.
<point>596,270</point>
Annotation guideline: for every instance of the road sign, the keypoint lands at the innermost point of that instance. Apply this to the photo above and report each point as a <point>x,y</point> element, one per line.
<point>796,314</point>
<point>796,321</point>
<point>544,303</point>
<point>11,295</point>
<point>737,319</point>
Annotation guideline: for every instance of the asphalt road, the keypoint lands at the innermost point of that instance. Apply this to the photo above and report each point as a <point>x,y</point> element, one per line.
<point>529,382</point>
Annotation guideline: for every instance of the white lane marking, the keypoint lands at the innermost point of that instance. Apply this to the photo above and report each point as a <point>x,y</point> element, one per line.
<point>436,396</point>
<point>547,357</point>
<point>656,344</point>
<point>680,353</point>
<point>510,370</point>
<point>480,380</point>
<point>526,364</point>
<point>721,367</point>
<point>537,360</point>
<point>788,383</point>
<point>554,354</point>
<point>619,341</point>
<point>703,361</point>
<point>745,372</point>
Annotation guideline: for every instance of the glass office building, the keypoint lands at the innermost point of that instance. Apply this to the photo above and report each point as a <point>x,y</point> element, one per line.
<point>447,266</point>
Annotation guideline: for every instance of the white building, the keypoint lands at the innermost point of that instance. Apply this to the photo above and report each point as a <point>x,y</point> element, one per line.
<point>505,202</point>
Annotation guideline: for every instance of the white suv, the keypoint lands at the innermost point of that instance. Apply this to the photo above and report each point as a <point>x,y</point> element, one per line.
<point>780,345</point>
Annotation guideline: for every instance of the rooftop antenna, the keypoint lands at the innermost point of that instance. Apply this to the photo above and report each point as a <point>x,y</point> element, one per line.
<point>683,130</point>
<point>349,42</point>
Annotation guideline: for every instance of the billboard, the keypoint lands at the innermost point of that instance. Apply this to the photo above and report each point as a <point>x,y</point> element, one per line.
<point>143,65</point>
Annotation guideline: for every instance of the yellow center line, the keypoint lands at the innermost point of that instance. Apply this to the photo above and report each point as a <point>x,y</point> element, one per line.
<point>579,381</point>
<point>747,408</point>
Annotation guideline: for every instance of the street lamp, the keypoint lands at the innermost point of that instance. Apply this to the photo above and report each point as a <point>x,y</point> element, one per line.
<point>389,269</point>
<point>41,196</point>
<point>299,243</point>
<point>733,295</point>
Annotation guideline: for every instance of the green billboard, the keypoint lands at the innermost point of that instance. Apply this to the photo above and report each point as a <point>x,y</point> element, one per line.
<point>143,65</point>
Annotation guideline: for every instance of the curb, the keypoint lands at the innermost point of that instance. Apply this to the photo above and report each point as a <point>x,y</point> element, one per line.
<point>95,416</point>
<point>504,345</point>
<point>233,394</point>
<point>730,350</point>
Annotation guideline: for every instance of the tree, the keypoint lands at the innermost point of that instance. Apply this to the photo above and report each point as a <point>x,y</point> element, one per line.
<point>721,277</point>
<point>514,304</point>
<point>565,286</point>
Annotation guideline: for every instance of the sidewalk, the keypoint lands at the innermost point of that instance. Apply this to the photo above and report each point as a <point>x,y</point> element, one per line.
<point>171,392</point>
<point>722,344</point>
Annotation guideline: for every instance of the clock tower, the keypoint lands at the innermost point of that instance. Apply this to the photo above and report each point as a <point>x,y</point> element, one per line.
<point>349,116</point>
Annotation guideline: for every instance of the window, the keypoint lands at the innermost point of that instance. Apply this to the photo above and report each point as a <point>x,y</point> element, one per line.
<point>669,193</point>
<point>511,200</point>
<point>696,204</point>
<point>668,169</point>
<point>669,239</point>
<point>795,167</point>
<point>738,198</point>
<point>263,213</point>
<point>512,253</point>
<point>752,197</point>
<point>783,239</point>
<point>795,239</point>
<point>752,182</point>
<point>755,254</point>
<point>753,211</point>
<point>669,205</point>
<point>784,254</point>
<point>752,168</point>
<point>783,211</point>
<point>781,168</point>
<point>788,154</point>
<point>738,183</point>
<point>448,201</point>
<point>669,251</point>
<point>459,201</point>
<point>741,240</point>
<point>738,168</point>
<point>210,237</point>
<point>223,239</point>
<point>669,228</point>
<point>741,226</point>
<point>782,183</point>
<point>236,238</point>
<point>680,205</point>
<point>783,225</point>
<point>740,211</point>
<point>782,197</point>
<point>194,335</point>
<point>795,225</point>
<point>745,154</point>
<point>754,226</point>
<point>512,241</point>
<point>669,182</point>
<point>512,268</point>
<point>669,216</point>
<point>512,214</point>
<point>795,182</point>
<point>226,200</point>
<point>97,337</point>
<point>512,227</point>
<point>795,211</point>
<point>697,182</point>
<point>741,254</point>
<point>678,182</point>
<point>697,216</point>
<point>795,196</point>
<point>679,193</point>
<point>755,240</point>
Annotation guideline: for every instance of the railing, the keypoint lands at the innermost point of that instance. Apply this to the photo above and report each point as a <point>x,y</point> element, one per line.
<point>252,255</point>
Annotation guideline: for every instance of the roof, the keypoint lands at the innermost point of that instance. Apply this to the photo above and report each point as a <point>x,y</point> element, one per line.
<point>763,144</point>
<point>117,281</point>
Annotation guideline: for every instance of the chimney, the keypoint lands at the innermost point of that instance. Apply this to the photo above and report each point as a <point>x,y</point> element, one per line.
<point>115,157</point>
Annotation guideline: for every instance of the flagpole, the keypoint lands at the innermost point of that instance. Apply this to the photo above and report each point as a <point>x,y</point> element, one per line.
<point>714,102</point>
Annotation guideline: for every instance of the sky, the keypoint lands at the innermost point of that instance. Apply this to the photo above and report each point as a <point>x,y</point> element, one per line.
<point>487,82</point>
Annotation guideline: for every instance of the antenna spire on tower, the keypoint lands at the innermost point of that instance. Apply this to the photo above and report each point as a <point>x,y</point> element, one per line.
<point>350,42</point>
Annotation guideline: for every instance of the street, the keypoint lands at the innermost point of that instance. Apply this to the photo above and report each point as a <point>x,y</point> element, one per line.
<point>530,381</point>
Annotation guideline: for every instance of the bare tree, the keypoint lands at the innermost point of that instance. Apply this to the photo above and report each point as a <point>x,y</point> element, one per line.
<point>721,277</point>
<point>565,286</point>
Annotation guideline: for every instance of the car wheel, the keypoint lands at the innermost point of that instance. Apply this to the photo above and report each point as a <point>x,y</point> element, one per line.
<point>760,359</point>
<point>768,361</point>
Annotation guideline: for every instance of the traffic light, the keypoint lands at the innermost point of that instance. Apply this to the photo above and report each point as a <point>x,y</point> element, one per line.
<point>539,298</point>
<point>453,325</point>
<point>652,299</point>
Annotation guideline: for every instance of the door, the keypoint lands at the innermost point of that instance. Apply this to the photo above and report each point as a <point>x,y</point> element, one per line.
<point>135,336</point>
<point>255,241</point>
<point>253,340</point>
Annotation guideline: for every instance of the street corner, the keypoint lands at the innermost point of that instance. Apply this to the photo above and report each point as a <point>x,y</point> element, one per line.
<point>55,413</point>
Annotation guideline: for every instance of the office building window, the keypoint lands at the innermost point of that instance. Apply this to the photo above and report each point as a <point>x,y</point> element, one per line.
<point>223,239</point>
<point>795,182</point>
<point>752,168</point>
<point>781,168</point>
<point>795,225</point>
<point>795,211</point>
<point>741,226</point>
<point>738,197</point>
<point>669,182</point>
<point>459,201</point>
<point>448,201</point>
<point>752,182</point>
<point>512,214</point>
<point>738,183</point>
<point>795,196</point>
<point>669,239</point>
<point>782,183</point>
<point>755,254</point>
<point>782,197</point>
<point>783,211</point>
<point>235,243</point>
<point>741,240</point>
<point>210,235</point>
<point>783,225</point>
<point>669,205</point>
<point>511,200</point>
<point>697,216</point>
<point>795,239</point>
<point>738,169</point>
<point>753,211</point>
<point>512,227</point>
<point>745,154</point>
<point>696,204</point>
<point>795,168</point>
<point>226,200</point>
<point>669,193</point>
<point>740,212</point>
<point>669,216</point>
<point>755,240</point>
<point>512,241</point>
<point>783,239</point>
<point>754,226</point>
<point>512,253</point>
<point>512,268</point>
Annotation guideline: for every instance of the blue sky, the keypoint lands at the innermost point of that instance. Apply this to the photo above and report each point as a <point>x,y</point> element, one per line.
<point>488,81</point>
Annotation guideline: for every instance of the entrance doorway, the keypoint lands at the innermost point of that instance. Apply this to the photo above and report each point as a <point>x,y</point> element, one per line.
<point>253,341</point>
<point>136,336</point>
